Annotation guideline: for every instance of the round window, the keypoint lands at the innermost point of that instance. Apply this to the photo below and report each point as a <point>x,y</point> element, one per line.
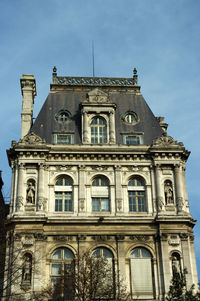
<point>131,118</point>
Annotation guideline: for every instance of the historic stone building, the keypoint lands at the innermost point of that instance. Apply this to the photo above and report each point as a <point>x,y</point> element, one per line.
<point>97,171</point>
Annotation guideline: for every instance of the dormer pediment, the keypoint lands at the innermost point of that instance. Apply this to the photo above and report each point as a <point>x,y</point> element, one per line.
<point>98,96</point>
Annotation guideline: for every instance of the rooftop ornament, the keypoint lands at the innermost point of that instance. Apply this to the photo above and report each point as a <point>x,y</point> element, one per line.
<point>95,81</point>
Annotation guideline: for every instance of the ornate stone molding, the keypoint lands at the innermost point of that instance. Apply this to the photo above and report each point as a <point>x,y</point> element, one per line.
<point>101,237</point>
<point>31,139</point>
<point>98,96</point>
<point>165,141</point>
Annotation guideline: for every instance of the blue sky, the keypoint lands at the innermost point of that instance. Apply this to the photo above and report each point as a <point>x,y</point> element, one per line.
<point>160,38</point>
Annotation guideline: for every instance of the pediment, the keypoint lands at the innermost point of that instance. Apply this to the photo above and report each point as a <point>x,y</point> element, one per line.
<point>32,139</point>
<point>97,95</point>
<point>165,141</point>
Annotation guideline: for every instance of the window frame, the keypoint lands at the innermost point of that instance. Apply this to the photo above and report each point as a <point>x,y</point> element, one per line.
<point>69,135</point>
<point>62,262</point>
<point>97,128</point>
<point>139,138</point>
<point>100,195</point>
<point>64,193</point>
<point>136,192</point>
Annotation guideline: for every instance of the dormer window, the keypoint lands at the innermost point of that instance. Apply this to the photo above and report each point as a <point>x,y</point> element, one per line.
<point>62,116</point>
<point>63,138</point>
<point>98,129</point>
<point>132,139</point>
<point>130,118</point>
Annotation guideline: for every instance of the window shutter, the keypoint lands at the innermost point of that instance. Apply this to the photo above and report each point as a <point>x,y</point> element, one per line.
<point>141,277</point>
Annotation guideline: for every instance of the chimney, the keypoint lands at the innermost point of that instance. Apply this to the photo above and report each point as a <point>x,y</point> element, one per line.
<point>28,88</point>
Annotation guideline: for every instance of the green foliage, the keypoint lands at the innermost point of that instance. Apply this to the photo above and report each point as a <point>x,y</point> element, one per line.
<point>178,289</point>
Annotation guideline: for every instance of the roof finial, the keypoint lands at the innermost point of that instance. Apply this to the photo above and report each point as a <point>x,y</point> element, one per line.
<point>135,76</point>
<point>54,74</point>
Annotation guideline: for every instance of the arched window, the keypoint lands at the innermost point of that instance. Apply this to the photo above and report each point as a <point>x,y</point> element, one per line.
<point>62,268</point>
<point>63,194</point>
<point>141,273</point>
<point>98,127</point>
<point>105,270</point>
<point>136,195</point>
<point>100,194</point>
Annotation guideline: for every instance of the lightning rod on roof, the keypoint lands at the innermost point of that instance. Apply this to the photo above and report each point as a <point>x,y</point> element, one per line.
<point>93,73</point>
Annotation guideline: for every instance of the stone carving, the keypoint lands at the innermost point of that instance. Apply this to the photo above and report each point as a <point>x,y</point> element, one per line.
<point>101,237</point>
<point>20,202</point>
<point>27,269</point>
<point>165,141</point>
<point>160,204</point>
<point>94,81</point>
<point>42,203</point>
<point>176,267</point>
<point>40,236</point>
<point>119,204</point>
<point>140,237</point>
<point>180,203</point>
<point>30,192</point>
<point>98,95</point>
<point>62,238</point>
<point>174,240</point>
<point>184,236</point>
<point>28,241</point>
<point>32,138</point>
<point>82,204</point>
<point>169,198</point>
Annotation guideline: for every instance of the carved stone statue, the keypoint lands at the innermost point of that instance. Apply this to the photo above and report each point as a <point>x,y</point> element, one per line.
<point>176,264</point>
<point>169,199</point>
<point>30,192</point>
<point>27,269</point>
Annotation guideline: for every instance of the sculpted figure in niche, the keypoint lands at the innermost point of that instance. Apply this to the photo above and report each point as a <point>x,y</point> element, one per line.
<point>30,192</point>
<point>169,198</point>
<point>176,266</point>
<point>27,269</point>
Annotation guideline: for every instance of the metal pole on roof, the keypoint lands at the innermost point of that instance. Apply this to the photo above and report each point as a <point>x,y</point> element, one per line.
<point>93,58</point>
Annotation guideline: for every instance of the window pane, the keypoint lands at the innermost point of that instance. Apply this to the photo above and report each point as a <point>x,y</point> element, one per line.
<point>132,201</point>
<point>96,253</point>
<point>58,201</point>
<point>105,205</point>
<point>56,268</point>
<point>141,204</point>
<point>64,181</point>
<point>68,254</point>
<point>145,253</point>
<point>135,253</point>
<point>132,140</point>
<point>68,201</point>
<point>57,254</point>
<point>95,204</point>
<point>107,253</point>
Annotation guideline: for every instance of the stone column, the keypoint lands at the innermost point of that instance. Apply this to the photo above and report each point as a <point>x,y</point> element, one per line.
<point>112,127</point>
<point>160,202</point>
<point>185,189</point>
<point>179,190</point>
<point>20,198</point>
<point>186,253</point>
<point>118,187</point>
<point>28,88</point>
<point>41,199</point>
<point>12,188</point>
<point>153,190</point>
<point>81,188</point>
<point>166,272</point>
<point>85,127</point>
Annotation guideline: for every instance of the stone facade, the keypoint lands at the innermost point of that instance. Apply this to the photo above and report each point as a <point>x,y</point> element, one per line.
<point>152,215</point>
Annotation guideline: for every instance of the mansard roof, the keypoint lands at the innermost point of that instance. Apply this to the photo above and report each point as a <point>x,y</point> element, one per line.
<point>69,94</point>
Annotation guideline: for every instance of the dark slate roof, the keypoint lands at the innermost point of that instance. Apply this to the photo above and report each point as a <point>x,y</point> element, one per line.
<point>46,125</point>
